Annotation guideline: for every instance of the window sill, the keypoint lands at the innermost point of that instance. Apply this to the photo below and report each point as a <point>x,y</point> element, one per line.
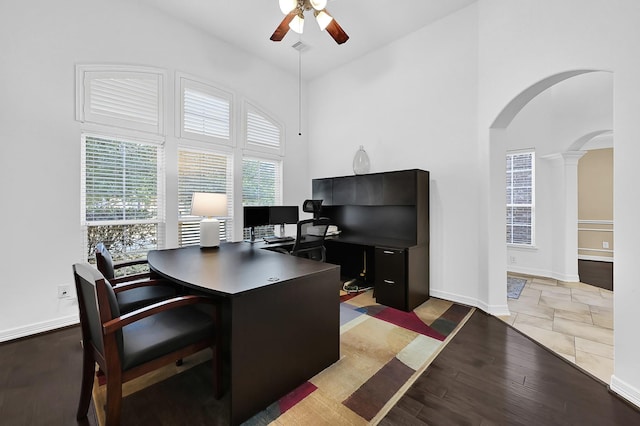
<point>522,247</point>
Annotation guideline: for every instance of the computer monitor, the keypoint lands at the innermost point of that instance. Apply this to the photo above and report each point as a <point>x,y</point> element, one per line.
<point>255,216</point>
<point>281,215</point>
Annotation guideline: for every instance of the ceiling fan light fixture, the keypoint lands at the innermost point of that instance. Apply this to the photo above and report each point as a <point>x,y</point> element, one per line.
<point>297,24</point>
<point>323,19</point>
<point>286,6</point>
<point>318,4</point>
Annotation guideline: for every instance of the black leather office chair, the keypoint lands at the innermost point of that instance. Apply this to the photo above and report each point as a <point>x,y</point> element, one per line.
<point>132,291</point>
<point>128,346</point>
<point>310,238</point>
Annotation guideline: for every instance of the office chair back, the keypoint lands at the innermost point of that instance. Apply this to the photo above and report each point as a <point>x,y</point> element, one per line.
<point>104,261</point>
<point>310,238</point>
<point>137,295</point>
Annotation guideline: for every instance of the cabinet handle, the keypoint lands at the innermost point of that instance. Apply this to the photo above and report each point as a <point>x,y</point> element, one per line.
<point>389,282</point>
<point>389,252</point>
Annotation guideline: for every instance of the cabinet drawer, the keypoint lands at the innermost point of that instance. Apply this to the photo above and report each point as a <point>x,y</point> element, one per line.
<point>391,287</point>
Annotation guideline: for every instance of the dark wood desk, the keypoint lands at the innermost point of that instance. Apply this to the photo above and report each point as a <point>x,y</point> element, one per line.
<point>281,319</point>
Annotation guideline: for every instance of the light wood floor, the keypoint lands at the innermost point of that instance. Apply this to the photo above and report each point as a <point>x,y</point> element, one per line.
<point>575,320</point>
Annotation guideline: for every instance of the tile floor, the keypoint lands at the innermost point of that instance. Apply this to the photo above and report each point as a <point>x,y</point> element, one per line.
<point>575,320</point>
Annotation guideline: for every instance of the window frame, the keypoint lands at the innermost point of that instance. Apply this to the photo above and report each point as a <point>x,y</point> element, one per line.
<point>185,81</point>
<point>86,73</point>
<point>266,230</point>
<point>160,218</point>
<point>251,107</point>
<point>229,188</point>
<point>531,206</point>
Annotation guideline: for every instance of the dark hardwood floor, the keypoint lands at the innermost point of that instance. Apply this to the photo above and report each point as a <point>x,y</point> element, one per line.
<point>491,374</point>
<point>599,274</point>
<point>488,374</point>
<point>40,380</point>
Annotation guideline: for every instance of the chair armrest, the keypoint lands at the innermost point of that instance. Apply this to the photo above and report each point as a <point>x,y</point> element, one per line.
<point>126,263</point>
<point>130,277</point>
<point>126,278</point>
<point>124,286</point>
<point>116,324</point>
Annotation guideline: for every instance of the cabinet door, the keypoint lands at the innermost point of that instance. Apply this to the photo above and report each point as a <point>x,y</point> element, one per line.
<point>369,190</point>
<point>344,191</point>
<point>322,189</point>
<point>399,188</point>
<point>391,286</point>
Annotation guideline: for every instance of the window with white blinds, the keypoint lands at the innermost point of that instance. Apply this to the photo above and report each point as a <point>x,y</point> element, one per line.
<point>261,186</point>
<point>122,195</point>
<point>520,198</point>
<point>205,112</point>
<point>202,171</point>
<point>262,132</point>
<point>128,97</point>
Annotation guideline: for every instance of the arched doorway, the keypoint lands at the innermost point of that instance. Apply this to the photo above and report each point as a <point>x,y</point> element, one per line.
<point>555,257</point>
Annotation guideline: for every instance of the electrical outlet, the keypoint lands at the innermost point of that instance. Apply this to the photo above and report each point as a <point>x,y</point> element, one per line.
<point>64,291</point>
<point>605,244</point>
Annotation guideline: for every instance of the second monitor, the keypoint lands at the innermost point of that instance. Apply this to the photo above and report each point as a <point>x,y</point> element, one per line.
<point>281,215</point>
<point>269,215</point>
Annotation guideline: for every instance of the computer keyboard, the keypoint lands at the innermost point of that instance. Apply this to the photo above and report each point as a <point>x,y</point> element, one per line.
<point>271,240</point>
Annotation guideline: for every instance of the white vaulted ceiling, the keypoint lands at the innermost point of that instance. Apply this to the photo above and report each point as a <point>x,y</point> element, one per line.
<point>248,24</point>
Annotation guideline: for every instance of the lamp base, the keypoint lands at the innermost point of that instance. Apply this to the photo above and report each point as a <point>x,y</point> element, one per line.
<point>209,232</point>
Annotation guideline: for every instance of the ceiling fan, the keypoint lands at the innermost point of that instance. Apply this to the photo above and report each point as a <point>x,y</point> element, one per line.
<point>294,19</point>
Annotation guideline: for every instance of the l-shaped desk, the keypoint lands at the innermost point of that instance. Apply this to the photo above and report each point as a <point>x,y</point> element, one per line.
<point>280,316</point>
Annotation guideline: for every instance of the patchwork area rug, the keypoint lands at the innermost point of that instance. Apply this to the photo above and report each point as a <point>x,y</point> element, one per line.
<point>382,352</point>
<point>514,287</point>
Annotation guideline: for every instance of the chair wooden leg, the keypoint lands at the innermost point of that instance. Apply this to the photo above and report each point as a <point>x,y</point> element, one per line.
<point>114,398</point>
<point>88,375</point>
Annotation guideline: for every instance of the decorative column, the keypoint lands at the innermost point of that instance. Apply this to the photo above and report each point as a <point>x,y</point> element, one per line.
<point>565,244</point>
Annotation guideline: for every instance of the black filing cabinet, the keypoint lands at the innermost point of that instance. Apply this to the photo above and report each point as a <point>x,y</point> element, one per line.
<point>390,280</point>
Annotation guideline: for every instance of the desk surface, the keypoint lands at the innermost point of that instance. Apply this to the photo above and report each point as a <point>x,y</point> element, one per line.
<point>231,269</point>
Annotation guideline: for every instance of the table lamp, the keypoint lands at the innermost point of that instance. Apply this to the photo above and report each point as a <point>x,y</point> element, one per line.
<point>208,204</point>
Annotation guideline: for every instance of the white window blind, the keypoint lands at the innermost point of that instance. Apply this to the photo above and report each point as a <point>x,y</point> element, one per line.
<point>202,171</point>
<point>122,196</point>
<point>122,97</point>
<point>205,112</point>
<point>262,132</point>
<point>261,186</point>
<point>520,197</point>
<point>261,182</point>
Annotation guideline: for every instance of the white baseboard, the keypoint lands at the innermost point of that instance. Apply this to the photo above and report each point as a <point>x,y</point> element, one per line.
<point>496,310</point>
<point>595,258</point>
<point>625,390</point>
<point>40,327</point>
<point>543,273</point>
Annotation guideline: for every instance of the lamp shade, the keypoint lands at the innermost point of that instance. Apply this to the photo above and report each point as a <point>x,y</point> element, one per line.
<point>287,6</point>
<point>208,204</point>
<point>318,4</point>
<point>297,24</point>
<point>323,19</point>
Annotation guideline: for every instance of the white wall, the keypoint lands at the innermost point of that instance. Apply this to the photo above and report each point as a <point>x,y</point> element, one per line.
<point>40,43</point>
<point>524,42</point>
<point>412,104</point>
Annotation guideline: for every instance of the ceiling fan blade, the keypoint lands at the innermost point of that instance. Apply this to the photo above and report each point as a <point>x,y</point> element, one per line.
<point>283,28</point>
<point>336,31</point>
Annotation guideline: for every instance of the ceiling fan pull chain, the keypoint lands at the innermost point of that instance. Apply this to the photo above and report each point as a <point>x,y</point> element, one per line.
<point>299,92</point>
